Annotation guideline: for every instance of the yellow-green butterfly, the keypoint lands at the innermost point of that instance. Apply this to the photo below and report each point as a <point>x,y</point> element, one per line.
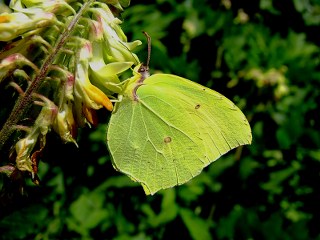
<point>165,129</point>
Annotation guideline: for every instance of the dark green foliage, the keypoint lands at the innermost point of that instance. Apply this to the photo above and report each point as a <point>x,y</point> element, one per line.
<point>261,54</point>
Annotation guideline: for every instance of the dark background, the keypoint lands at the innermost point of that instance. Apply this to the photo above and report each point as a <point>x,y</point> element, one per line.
<point>264,56</point>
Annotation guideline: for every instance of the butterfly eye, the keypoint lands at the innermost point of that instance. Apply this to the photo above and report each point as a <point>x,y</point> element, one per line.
<point>143,69</point>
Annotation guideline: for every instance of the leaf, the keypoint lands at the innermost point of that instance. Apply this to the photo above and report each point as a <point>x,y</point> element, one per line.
<point>169,210</point>
<point>274,185</point>
<point>23,222</point>
<point>87,212</point>
<point>198,228</point>
<point>166,130</point>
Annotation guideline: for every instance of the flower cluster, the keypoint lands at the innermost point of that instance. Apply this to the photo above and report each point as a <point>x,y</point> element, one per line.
<point>67,79</point>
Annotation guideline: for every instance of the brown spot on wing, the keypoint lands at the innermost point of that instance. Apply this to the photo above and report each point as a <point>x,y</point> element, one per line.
<point>167,139</point>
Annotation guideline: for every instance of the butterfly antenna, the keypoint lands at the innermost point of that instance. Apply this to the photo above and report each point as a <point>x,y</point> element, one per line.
<point>149,47</point>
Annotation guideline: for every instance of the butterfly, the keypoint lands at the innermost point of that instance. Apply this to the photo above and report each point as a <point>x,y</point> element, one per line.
<point>165,129</point>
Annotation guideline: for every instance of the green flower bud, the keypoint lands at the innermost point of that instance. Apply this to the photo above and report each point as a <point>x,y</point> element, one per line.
<point>111,53</point>
<point>115,46</point>
<point>105,76</point>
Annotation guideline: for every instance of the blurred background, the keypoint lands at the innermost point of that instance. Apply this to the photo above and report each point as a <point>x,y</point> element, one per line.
<point>264,56</point>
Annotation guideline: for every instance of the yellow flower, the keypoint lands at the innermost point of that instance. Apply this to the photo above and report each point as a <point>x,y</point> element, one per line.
<point>91,96</point>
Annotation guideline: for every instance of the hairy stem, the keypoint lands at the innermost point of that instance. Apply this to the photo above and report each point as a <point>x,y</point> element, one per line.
<point>24,101</point>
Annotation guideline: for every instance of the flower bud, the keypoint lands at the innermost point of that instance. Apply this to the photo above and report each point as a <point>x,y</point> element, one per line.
<point>111,53</point>
<point>15,24</point>
<point>64,124</point>
<point>114,45</point>
<point>12,62</point>
<point>25,146</point>
<point>33,6</point>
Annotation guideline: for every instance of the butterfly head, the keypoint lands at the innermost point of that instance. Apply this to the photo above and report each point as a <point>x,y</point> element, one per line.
<point>144,71</point>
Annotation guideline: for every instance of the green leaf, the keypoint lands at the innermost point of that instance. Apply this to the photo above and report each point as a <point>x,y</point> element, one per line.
<point>21,223</point>
<point>87,212</point>
<point>274,185</point>
<point>199,228</point>
<point>169,210</point>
